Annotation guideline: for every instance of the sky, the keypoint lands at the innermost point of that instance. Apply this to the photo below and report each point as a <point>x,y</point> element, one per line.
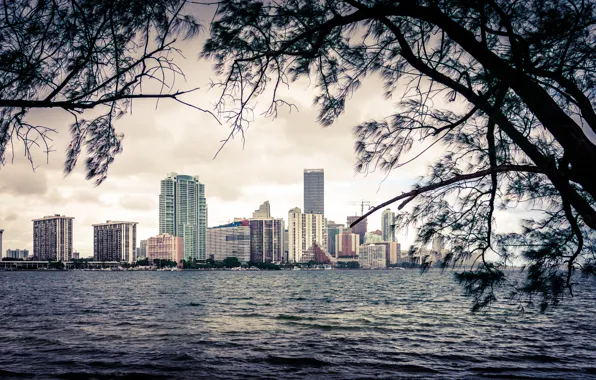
<point>172,137</point>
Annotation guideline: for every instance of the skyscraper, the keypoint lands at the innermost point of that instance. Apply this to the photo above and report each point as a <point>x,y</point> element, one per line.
<point>183,212</point>
<point>266,240</point>
<point>314,191</point>
<point>388,225</point>
<point>359,228</point>
<point>304,231</point>
<point>52,238</point>
<point>115,241</point>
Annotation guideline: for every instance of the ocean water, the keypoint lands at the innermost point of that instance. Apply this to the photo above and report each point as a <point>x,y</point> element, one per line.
<point>280,324</point>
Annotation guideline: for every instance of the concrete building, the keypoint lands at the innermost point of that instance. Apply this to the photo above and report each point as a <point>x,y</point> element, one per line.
<point>333,229</point>
<point>52,238</point>
<point>314,191</point>
<point>372,256</point>
<point>142,250</point>
<point>359,229</point>
<point>263,212</point>
<point>304,231</point>
<point>392,252</point>
<point>229,240</point>
<point>347,244</point>
<point>388,225</point>
<point>1,232</point>
<point>266,240</point>
<point>17,254</point>
<point>115,241</point>
<point>373,237</point>
<point>183,212</point>
<point>165,247</point>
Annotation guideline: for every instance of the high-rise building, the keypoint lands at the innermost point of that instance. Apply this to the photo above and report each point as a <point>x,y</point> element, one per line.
<point>52,238</point>
<point>304,231</point>
<point>115,241</point>
<point>314,191</point>
<point>266,240</point>
<point>392,252</point>
<point>359,229</point>
<point>165,247</point>
<point>347,244</point>
<point>333,229</point>
<point>263,212</point>
<point>229,240</point>
<point>1,231</point>
<point>388,225</point>
<point>142,250</point>
<point>17,254</point>
<point>372,257</point>
<point>183,212</point>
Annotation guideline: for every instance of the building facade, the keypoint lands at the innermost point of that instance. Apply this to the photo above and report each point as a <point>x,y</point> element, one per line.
<point>115,241</point>
<point>263,212</point>
<point>304,231</point>
<point>372,256</point>
<point>373,237</point>
<point>142,250</point>
<point>17,254</point>
<point>183,212</point>
<point>347,244</point>
<point>333,229</point>
<point>314,191</point>
<point>392,252</point>
<point>266,240</point>
<point>165,247</point>
<point>359,229</point>
<point>388,225</point>
<point>229,240</point>
<point>52,238</point>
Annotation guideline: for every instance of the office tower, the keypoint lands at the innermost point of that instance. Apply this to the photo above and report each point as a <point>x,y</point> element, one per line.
<point>347,244</point>
<point>52,238</point>
<point>333,229</point>
<point>314,191</point>
<point>263,212</point>
<point>359,229</point>
<point>17,254</point>
<point>266,240</point>
<point>165,247</point>
<point>115,241</point>
<point>229,240</point>
<point>304,231</point>
<point>142,251</point>
<point>183,212</point>
<point>388,225</point>
<point>372,257</point>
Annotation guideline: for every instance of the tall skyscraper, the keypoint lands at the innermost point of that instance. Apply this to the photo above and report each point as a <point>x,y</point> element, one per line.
<point>304,231</point>
<point>359,228</point>
<point>266,240</point>
<point>115,241</point>
<point>183,212</point>
<point>264,211</point>
<point>52,238</point>
<point>388,225</point>
<point>314,191</point>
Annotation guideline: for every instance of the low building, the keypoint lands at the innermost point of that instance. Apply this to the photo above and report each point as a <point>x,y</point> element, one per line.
<point>165,247</point>
<point>229,240</point>
<point>17,254</point>
<point>372,256</point>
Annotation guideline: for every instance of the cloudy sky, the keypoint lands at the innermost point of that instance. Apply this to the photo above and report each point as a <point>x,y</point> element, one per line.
<point>176,138</point>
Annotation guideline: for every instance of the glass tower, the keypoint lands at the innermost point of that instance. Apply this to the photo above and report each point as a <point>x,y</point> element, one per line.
<point>314,191</point>
<point>183,212</point>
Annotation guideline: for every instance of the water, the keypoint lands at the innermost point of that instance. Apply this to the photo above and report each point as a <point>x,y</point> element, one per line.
<point>325,324</point>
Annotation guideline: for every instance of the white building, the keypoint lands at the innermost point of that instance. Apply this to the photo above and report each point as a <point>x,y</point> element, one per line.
<point>388,225</point>
<point>229,240</point>
<point>263,212</point>
<point>372,256</point>
<point>52,238</point>
<point>304,230</point>
<point>373,237</point>
<point>115,241</point>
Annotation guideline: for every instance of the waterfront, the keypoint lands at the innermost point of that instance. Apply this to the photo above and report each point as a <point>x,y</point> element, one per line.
<point>274,324</point>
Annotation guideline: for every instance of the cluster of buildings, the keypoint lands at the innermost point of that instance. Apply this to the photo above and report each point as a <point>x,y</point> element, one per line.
<point>183,233</point>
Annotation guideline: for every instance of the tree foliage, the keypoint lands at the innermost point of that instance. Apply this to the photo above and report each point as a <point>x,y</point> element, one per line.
<point>77,55</point>
<point>505,90</point>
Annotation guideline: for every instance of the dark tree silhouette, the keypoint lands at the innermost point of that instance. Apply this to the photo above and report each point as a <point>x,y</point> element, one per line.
<point>82,54</point>
<point>506,89</point>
